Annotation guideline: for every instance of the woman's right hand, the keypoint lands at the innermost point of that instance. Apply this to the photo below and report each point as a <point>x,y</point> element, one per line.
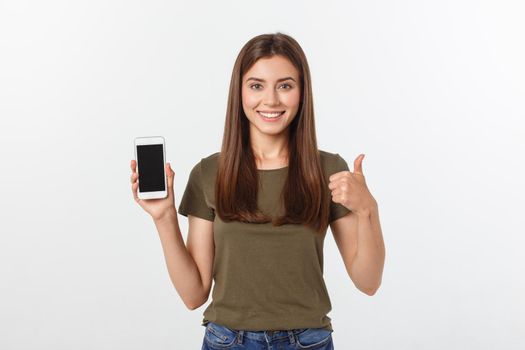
<point>157,207</point>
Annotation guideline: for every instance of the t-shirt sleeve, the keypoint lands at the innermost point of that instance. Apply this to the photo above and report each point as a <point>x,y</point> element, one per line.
<point>338,210</point>
<point>193,201</point>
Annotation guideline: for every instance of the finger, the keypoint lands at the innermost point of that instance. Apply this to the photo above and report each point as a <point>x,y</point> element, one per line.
<point>358,164</point>
<point>337,176</point>
<point>337,192</point>
<point>170,174</point>
<point>341,186</point>
<point>134,191</point>
<point>133,164</point>
<point>338,197</point>
<point>134,177</point>
<point>339,182</point>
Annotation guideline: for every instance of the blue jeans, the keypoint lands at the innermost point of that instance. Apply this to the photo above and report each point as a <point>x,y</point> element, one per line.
<point>220,337</point>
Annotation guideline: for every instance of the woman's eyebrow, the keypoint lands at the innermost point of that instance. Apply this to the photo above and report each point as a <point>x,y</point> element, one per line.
<point>262,80</point>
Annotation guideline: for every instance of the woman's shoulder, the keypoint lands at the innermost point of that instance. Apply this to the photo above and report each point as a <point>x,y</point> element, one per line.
<point>212,159</point>
<point>209,164</point>
<point>329,157</point>
<point>332,162</point>
<point>213,156</point>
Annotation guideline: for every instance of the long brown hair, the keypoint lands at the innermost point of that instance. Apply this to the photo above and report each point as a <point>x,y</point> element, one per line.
<point>305,199</point>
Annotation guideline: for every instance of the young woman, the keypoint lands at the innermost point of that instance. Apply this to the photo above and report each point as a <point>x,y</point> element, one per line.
<point>259,210</point>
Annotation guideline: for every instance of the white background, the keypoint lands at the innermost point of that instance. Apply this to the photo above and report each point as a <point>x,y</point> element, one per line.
<point>431,91</point>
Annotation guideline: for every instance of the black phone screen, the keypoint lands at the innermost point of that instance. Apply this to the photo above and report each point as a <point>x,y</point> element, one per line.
<point>151,168</point>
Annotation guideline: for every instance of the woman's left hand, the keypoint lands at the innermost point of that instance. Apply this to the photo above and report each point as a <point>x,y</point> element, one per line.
<point>350,190</point>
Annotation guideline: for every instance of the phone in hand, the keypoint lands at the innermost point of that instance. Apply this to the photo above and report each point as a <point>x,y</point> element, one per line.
<point>150,155</point>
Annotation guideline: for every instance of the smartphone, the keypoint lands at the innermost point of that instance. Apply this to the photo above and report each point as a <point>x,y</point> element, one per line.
<point>150,154</point>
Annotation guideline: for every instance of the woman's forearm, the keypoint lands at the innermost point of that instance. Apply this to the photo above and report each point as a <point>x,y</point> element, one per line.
<point>370,257</point>
<point>183,271</point>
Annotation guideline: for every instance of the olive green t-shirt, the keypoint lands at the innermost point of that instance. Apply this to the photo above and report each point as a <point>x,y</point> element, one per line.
<point>265,277</point>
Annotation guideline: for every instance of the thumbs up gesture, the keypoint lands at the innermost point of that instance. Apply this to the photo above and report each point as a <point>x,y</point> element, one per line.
<point>350,189</point>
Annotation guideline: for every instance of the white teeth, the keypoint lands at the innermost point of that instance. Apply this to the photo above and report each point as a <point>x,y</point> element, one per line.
<point>271,115</point>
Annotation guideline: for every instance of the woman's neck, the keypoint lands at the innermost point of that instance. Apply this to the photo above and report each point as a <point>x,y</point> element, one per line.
<point>270,147</point>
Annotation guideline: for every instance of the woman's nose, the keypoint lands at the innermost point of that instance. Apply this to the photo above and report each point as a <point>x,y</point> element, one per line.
<point>271,98</point>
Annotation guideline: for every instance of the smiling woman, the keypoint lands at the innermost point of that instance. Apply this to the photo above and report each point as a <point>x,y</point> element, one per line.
<point>268,197</point>
<point>259,211</point>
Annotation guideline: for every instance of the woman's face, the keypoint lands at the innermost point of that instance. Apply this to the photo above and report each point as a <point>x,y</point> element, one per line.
<point>271,94</point>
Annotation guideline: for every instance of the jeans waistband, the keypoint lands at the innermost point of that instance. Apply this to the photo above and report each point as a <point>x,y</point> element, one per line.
<point>269,335</point>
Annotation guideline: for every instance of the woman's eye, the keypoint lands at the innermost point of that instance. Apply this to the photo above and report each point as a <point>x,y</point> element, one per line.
<point>255,86</point>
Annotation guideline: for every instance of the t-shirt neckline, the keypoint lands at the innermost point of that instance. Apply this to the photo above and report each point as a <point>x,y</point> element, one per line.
<point>271,170</point>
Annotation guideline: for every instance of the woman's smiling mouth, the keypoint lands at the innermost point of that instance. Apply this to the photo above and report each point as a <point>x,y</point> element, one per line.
<point>270,116</point>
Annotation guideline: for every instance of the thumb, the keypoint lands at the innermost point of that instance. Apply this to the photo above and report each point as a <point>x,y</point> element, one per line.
<point>358,164</point>
<point>171,175</point>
